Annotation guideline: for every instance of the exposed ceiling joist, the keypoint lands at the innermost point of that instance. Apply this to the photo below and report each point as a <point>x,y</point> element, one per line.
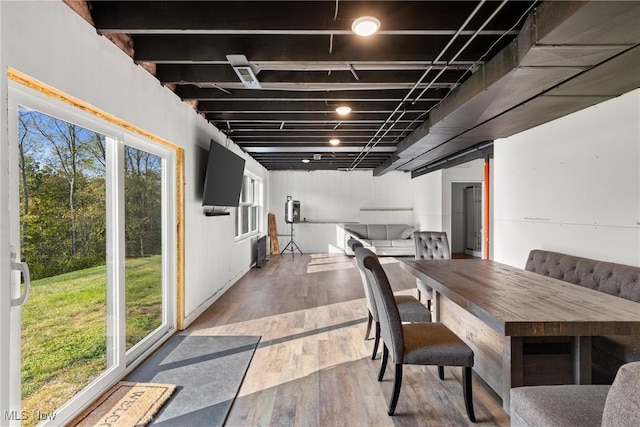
<point>439,77</point>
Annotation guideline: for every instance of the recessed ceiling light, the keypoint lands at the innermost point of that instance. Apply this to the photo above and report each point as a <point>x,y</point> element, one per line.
<point>305,160</point>
<point>343,110</point>
<point>334,141</point>
<point>365,25</point>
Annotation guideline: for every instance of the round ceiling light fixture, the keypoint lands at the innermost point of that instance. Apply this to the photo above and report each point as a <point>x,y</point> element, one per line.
<point>365,25</point>
<point>343,110</point>
<point>305,160</point>
<point>334,141</point>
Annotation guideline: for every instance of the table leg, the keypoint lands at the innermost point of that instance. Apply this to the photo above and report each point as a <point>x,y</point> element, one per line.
<point>512,368</point>
<point>582,360</point>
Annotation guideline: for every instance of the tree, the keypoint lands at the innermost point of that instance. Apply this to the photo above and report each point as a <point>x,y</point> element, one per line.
<point>63,194</point>
<point>142,202</point>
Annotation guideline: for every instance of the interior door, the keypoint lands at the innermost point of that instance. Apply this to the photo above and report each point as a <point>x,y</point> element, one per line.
<point>473,219</point>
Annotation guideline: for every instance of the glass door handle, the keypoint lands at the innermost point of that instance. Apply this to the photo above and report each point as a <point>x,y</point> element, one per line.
<point>23,268</point>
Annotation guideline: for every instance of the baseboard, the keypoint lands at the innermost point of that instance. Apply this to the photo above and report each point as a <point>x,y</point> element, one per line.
<point>191,317</point>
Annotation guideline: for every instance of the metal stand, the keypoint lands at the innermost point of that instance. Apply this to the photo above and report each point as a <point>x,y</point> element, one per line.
<point>291,245</point>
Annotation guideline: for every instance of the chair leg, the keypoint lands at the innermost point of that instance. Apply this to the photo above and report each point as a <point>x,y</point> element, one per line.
<point>429,304</point>
<point>397,383</point>
<point>369,322</point>
<point>385,356</point>
<point>441,372</point>
<point>468,392</point>
<point>376,342</point>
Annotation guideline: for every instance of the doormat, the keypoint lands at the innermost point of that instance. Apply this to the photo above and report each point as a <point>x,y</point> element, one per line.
<point>208,370</point>
<point>126,404</point>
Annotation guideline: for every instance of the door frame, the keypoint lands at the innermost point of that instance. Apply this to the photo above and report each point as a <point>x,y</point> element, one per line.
<point>19,87</point>
<point>455,232</point>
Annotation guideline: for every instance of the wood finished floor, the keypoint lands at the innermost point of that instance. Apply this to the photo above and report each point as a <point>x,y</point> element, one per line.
<point>313,366</point>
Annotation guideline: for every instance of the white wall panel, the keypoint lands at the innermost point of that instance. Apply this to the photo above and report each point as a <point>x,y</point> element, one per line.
<point>427,201</point>
<point>572,185</point>
<point>333,197</point>
<point>49,42</point>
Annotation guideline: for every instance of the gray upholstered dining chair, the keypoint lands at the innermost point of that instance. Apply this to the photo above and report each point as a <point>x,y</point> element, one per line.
<point>414,343</point>
<point>411,310</point>
<point>430,245</point>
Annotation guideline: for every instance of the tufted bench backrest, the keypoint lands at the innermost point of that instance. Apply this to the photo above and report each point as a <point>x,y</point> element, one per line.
<point>615,279</point>
<point>432,245</point>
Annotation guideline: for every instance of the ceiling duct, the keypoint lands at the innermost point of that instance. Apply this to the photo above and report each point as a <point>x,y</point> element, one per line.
<point>568,56</point>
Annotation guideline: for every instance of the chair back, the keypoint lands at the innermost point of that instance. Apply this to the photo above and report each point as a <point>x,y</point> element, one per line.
<point>371,303</point>
<point>432,245</point>
<point>388,314</point>
<point>353,244</point>
<point>622,407</point>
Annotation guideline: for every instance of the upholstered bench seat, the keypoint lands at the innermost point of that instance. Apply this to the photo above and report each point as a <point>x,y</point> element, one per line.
<point>556,406</point>
<point>617,405</point>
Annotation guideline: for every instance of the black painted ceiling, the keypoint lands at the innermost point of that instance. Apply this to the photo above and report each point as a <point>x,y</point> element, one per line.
<point>307,61</point>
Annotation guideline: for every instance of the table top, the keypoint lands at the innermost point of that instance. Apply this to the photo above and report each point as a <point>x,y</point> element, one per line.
<point>518,302</point>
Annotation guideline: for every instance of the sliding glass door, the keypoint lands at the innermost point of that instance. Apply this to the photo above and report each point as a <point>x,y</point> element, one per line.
<point>95,211</point>
<point>62,186</point>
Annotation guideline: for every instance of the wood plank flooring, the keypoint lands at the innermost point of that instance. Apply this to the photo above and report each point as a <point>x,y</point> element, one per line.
<point>313,366</point>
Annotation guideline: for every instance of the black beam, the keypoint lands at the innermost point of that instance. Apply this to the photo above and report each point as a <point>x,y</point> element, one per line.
<point>290,117</point>
<point>328,106</point>
<point>223,74</point>
<point>258,16</point>
<point>195,92</point>
<point>279,47</point>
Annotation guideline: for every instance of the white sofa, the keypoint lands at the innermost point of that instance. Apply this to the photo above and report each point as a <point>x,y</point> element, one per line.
<point>382,239</point>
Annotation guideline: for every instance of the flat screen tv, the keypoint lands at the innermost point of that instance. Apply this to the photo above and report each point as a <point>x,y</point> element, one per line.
<point>223,179</point>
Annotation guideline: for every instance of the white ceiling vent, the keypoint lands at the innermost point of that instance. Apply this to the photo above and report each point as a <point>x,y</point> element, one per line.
<point>246,71</point>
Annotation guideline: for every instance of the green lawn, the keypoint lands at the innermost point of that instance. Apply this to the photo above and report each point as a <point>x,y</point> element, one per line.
<point>64,328</point>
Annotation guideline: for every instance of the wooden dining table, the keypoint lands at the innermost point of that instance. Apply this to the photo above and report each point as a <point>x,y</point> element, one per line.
<point>524,328</point>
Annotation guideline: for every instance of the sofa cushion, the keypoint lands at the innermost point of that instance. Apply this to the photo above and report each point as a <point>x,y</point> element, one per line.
<point>376,232</point>
<point>403,243</point>
<point>394,231</point>
<point>357,230</point>
<point>407,233</point>
<point>558,406</point>
<point>381,243</point>
<point>622,407</point>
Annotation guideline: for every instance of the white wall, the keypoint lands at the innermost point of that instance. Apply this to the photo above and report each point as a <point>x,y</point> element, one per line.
<point>51,43</point>
<point>427,201</point>
<point>572,186</point>
<point>432,194</point>
<point>333,198</point>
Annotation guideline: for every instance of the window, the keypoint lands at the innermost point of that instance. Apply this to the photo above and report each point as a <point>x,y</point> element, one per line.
<point>248,212</point>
